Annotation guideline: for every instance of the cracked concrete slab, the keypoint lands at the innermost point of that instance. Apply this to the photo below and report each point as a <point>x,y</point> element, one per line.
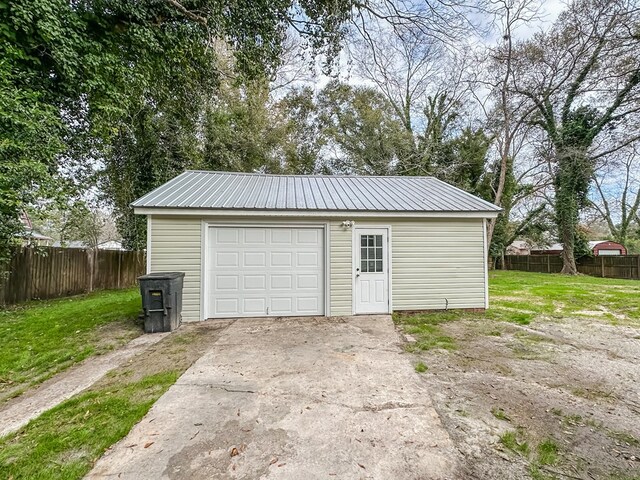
<point>292,398</point>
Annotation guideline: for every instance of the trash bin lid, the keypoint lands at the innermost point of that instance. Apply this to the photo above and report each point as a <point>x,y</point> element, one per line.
<point>162,276</point>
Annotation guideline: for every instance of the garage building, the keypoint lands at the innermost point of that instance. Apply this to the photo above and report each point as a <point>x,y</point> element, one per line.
<point>284,245</point>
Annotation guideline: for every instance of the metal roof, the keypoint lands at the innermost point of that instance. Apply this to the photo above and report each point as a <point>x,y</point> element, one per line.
<point>224,190</point>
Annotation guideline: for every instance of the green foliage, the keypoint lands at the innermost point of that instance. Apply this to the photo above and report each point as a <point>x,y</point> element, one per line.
<point>29,140</point>
<point>81,81</point>
<point>241,133</point>
<point>302,136</point>
<point>573,172</point>
<point>363,125</point>
<point>500,414</point>
<point>421,367</point>
<point>513,440</point>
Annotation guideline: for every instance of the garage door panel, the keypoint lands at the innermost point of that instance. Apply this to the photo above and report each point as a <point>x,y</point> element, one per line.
<point>227,282</point>
<point>281,282</point>
<point>255,236</point>
<point>255,282</point>
<point>307,304</point>
<point>281,259</point>
<point>254,306</point>
<point>226,236</point>
<point>227,259</point>
<point>257,271</point>
<point>281,305</point>
<point>255,259</point>
<point>308,237</point>
<point>281,236</point>
<point>226,306</point>
<point>304,282</point>
<point>307,259</point>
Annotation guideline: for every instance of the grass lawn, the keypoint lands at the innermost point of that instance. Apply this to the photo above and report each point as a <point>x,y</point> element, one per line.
<point>522,297</point>
<point>64,442</point>
<point>546,379</point>
<point>42,338</point>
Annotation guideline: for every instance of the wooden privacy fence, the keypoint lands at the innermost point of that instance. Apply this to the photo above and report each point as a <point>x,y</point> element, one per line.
<point>51,272</point>
<point>611,266</point>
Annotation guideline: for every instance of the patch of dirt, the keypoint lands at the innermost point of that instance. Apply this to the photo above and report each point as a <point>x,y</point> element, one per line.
<point>113,335</point>
<point>575,383</point>
<point>176,352</point>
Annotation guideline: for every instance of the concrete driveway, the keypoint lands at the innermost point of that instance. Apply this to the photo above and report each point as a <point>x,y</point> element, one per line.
<point>294,398</point>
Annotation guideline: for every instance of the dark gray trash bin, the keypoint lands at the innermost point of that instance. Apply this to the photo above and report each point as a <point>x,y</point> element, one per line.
<point>161,301</point>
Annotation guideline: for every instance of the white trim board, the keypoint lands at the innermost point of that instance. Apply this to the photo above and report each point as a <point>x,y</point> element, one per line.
<point>149,232</point>
<point>346,214</point>
<point>485,263</point>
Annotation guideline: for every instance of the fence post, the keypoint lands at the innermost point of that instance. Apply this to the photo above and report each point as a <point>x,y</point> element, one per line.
<point>601,265</point>
<point>548,263</point>
<point>91,259</point>
<point>119,266</point>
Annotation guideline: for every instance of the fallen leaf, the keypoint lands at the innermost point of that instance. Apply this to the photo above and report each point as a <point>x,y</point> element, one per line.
<point>281,464</point>
<point>234,452</point>
<point>273,461</point>
<point>148,444</point>
<point>361,466</point>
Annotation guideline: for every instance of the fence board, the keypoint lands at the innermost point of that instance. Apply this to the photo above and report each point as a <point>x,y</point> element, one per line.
<point>51,272</point>
<point>610,266</point>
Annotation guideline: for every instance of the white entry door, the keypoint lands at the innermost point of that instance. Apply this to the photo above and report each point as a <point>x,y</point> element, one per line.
<point>371,276</point>
<point>265,271</point>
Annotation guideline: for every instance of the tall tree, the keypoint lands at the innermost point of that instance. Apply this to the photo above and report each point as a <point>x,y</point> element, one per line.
<point>83,69</point>
<point>505,114</point>
<point>617,192</point>
<point>582,77</point>
<point>360,123</point>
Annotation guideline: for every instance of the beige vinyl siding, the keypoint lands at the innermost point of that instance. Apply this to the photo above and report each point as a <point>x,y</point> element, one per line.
<point>341,269</point>
<point>434,260</point>
<point>176,247</point>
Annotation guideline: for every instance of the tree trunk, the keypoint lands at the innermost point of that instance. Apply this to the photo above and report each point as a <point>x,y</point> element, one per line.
<point>569,266</point>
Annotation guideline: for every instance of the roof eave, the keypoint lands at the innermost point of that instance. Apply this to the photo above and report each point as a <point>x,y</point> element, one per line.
<point>246,212</point>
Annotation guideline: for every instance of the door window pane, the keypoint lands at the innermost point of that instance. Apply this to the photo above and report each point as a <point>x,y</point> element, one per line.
<point>371,253</point>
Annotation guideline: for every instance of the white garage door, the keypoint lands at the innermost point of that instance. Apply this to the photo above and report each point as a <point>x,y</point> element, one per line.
<point>264,271</point>
<point>609,252</point>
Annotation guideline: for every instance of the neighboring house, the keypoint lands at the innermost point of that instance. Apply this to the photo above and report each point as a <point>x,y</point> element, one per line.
<point>255,245</point>
<point>111,245</point>
<point>30,236</point>
<point>598,247</point>
<point>519,247</point>
<point>108,245</point>
<point>605,247</point>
